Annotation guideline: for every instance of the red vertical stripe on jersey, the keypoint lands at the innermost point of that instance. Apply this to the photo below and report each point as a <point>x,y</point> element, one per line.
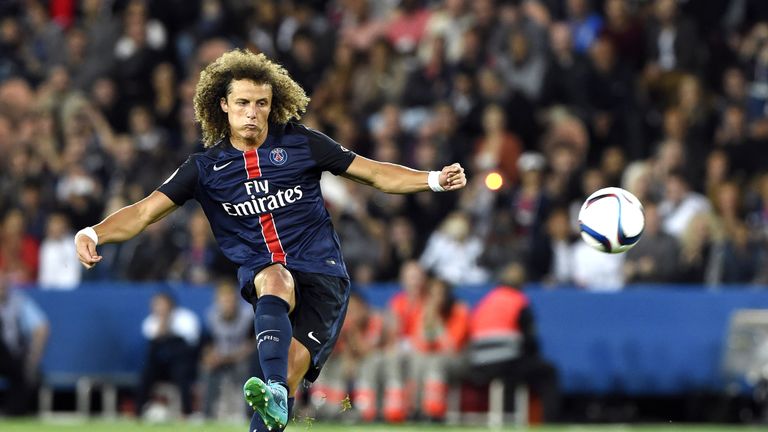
<point>266,220</point>
<point>252,163</point>
<point>270,236</point>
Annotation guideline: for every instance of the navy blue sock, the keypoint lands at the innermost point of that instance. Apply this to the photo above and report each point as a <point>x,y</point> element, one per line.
<point>273,337</point>
<point>257,425</point>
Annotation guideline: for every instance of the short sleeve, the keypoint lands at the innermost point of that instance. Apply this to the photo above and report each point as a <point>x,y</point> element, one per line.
<point>185,324</point>
<point>180,186</point>
<point>149,327</point>
<point>328,154</point>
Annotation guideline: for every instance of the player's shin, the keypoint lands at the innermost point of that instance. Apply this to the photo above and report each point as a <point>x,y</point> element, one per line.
<point>274,333</point>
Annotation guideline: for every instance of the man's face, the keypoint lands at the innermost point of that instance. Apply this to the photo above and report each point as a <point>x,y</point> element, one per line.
<point>247,106</point>
<point>413,279</point>
<point>161,306</point>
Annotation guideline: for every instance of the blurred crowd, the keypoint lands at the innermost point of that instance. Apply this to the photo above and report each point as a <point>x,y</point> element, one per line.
<point>665,98</point>
<point>395,364</point>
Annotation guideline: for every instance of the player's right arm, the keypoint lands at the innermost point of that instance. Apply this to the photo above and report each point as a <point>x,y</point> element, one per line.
<point>123,225</point>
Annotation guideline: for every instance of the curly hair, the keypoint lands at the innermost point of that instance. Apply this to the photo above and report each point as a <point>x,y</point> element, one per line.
<point>288,98</point>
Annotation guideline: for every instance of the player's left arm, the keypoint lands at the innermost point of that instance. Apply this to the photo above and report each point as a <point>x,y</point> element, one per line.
<point>398,179</point>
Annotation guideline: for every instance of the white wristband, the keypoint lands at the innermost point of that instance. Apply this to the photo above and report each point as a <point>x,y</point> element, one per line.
<point>433,180</point>
<point>88,232</point>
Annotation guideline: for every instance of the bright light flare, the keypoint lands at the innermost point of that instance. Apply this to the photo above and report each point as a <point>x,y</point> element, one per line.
<point>493,181</point>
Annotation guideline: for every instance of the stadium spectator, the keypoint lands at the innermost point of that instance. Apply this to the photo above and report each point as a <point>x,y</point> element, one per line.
<point>199,260</point>
<point>407,25</point>
<point>304,60</point>
<point>402,244</point>
<point>359,28</point>
<point>655,257</point>
<point>680,204</point>
<point>227,346</point>
<point>565,78</point>
<point>522,66</point>
<point>137,52</point>
<point>670,41</point>
<point>454,250</point>
<point>585,24</point>
<point>530,201</point>
<point>361,234</point>
<point>550,260</point>
<point>597,271</point>
<point>173,334</point>
<point>439,335</point>
<point>716,172</point>
<point>758,213</point>
<point>59,266</point>
<point>498,149</point>
<point>378,80</point>
<point>23,336</point>
<point>153,254</point>
<point>502,244</point>
<point>19,251</point>
<point>448,21</point>
<point>565,162</point>
<point>697,246</point>
<point>34,207</point>
<point>357,363</point>
<point>431,81</point>
<point>399,331</point>
<point>610,98</point>
<point>625,32</point>
<point>503,343</point>
<point>736,258</point>
<point>166,104</point>
<point>591,180</point>
<point>741,255</point>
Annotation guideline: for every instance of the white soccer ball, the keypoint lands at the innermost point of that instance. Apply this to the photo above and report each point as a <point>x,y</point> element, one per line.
<point>611,220</point>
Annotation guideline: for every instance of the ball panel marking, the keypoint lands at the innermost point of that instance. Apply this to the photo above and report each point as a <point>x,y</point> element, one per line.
<point>611,220</point>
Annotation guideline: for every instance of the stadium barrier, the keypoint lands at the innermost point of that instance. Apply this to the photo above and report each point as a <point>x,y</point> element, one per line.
<point>645,340</point>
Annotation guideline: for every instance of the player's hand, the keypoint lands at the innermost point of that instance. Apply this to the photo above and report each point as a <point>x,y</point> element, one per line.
<point>86,251</point>
<point>452,177</point>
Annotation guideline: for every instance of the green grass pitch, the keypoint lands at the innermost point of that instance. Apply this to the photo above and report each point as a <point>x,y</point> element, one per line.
<point>128,426</point>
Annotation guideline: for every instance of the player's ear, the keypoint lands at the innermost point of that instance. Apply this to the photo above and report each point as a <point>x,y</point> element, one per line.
<point>223,104</point>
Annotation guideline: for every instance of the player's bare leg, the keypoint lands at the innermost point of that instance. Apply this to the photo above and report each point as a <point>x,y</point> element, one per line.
<point>274,336</point>
<point>298,365</point>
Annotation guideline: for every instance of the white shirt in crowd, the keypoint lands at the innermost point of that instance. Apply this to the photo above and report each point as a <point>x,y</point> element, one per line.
<point>676,216</point>
<point>184,323</point>
<point>562,262</point>
<point>595,270</point>
<point>59,266</point>
<point>454,261</point>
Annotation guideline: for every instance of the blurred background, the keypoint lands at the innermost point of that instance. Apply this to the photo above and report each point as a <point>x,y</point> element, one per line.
<point>542,101</point>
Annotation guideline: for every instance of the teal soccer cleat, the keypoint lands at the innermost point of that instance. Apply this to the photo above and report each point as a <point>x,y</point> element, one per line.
<point>270,400</point>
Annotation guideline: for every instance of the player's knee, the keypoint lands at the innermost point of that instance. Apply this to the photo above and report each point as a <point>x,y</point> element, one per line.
<point>275,280</point>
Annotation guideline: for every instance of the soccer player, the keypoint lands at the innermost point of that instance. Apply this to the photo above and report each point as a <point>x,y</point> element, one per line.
<point>258,184</point>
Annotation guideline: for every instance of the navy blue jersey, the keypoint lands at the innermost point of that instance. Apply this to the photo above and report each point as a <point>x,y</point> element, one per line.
<point>265,205</point>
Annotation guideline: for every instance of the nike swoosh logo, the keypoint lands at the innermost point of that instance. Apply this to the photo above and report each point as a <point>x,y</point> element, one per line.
<point>217,168</point>
<point>311,336</point>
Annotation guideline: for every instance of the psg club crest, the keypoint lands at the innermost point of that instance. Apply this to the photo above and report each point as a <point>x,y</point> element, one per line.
<point>278,156</point>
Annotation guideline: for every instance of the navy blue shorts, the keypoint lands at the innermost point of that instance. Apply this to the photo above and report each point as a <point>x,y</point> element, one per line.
<point>321,305</point>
